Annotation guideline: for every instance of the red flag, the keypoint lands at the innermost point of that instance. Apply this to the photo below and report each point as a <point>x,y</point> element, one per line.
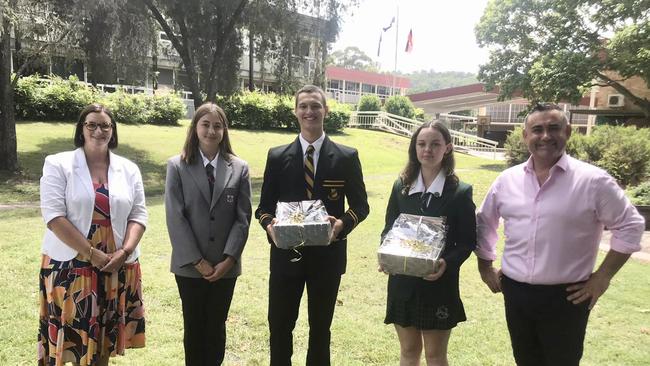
<point>409,42</point>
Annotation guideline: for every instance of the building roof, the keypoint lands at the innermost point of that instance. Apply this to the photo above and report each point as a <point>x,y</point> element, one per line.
<point>366,77</point>
<point>464,97</point>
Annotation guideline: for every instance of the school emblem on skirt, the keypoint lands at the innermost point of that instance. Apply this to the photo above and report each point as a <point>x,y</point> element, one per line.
<point>442,312</point>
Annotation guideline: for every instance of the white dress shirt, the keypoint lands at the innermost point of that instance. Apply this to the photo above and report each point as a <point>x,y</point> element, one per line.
<point>316,144</point>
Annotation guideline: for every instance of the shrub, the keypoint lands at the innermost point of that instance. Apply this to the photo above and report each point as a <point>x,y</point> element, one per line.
<point>624,152</point>
<point>516,149</point>
<point>337,118</point>
<point>627,160</point>
<point>400,105</point>
<point>126,108</point>
<point>369,102</point>
<point>256,110</point>
<point>165,109</point>
<point>419,114</point>
<point>283,112</point>
<point>640,195</point>
<point>231,106</point>
<point>51,98</point>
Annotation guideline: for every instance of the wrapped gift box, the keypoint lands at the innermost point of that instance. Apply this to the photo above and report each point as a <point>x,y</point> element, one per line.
<point>413,245</point>
<point>301,223</point>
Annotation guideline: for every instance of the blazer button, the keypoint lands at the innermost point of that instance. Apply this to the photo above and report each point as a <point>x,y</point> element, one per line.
<point>212,238</point>
<point>211,218</point>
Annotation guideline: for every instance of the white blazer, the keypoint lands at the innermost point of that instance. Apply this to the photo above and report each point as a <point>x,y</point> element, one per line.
<point>67,190</point>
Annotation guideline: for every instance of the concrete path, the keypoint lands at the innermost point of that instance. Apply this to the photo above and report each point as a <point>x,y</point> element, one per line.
<point>643,255</point>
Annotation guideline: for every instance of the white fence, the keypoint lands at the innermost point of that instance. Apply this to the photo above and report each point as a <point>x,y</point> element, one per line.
<point>405,127</point>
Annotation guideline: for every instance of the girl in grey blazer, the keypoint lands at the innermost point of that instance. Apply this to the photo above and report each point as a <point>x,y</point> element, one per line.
<point>208,210</point>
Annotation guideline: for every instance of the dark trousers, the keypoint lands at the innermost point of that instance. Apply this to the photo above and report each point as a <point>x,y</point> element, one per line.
<point>545,328</point>
<point>205,310</point>
<point>285,292</point>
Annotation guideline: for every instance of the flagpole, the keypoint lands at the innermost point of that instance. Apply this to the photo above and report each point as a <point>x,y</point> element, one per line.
<point>392,90</point>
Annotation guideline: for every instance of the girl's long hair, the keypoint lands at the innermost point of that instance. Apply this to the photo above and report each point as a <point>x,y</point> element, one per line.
<point>190,149</point>
<point>410,173</point>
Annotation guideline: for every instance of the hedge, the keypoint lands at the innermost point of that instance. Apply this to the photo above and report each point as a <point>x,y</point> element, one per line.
<point>54,98</point>
<point>264,111</point>
<point>624,152</point>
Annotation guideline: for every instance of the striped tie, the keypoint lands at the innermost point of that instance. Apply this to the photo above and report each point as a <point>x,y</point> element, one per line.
<point>309,171</point>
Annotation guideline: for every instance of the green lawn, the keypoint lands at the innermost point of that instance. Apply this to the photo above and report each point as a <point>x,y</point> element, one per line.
<point>618,333</point>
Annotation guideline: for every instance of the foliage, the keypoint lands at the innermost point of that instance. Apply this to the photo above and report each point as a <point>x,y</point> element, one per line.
<point>256,111</point>
<point>127,108</point>
<point>54,98</point>
<point>427,80</point>
<point>353,58</point>
<point>419,114</point>
<point>265,111</point>
<point>553,50</point>
<point>400,105</point>
<point>165,109</point>
<point>640,195</point>
<point>117,40</point>
<point>51,98</point>
<point>209,37</point>
<point>516,150</point>
<point>624,152</point>
<point>337,118</point>
<point>369,102</point>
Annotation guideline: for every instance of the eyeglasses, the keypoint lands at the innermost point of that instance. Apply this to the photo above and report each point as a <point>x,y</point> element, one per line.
<point>92,126</point>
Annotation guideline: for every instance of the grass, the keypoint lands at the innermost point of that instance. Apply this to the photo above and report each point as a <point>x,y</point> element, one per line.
<point>618,333</point>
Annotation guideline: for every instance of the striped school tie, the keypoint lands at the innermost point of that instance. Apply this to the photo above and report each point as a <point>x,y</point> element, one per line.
<point>309,171</point>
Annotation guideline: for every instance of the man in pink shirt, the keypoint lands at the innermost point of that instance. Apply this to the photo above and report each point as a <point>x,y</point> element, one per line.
<point>554,210</point>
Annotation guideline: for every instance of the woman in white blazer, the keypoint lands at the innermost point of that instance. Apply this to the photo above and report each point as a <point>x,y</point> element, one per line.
<point>93,203</point>
<point>208,210</point>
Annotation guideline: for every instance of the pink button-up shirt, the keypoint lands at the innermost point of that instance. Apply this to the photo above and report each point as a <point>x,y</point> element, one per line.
<point>552,232</point>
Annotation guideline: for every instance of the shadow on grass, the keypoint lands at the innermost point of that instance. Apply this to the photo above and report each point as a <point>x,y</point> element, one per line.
<point>494,167</point>
<point>23,186</point>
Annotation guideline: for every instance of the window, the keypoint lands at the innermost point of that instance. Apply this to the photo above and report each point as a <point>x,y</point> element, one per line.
<point>352,86</point>
<point>334,84</point>
<point>367,88</point>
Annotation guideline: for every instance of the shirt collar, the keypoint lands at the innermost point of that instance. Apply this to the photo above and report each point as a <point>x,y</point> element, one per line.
<point>317,144</point>
<point>563,163</point>
<point>436,186</point>
<point>206,161</point>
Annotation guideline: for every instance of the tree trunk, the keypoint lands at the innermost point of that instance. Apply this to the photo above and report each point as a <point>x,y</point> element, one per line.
<point>8,147</point>
<point>251,61</point>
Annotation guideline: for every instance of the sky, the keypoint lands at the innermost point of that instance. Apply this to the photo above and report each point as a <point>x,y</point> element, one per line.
<point>443,33</point>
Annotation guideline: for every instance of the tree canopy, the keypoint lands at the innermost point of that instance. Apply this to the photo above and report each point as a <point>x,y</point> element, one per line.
<point>556,50</point>
<point>353,58</point>
<point>427,80</point>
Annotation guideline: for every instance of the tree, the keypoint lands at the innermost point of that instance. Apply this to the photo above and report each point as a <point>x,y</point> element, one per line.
<point>110,36</point>
<point>354,58</point>
<point>400,105</point>
<point>427,80</point>
<point>46,31</point>
<point>369,102</point>
<point>208,36</point>
<point>556,50</point>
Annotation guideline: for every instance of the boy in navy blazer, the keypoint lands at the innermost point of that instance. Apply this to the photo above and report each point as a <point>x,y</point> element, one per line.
<point>336,177</point>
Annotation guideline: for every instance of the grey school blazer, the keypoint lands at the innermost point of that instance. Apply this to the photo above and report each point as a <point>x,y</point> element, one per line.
<point>207,227</point>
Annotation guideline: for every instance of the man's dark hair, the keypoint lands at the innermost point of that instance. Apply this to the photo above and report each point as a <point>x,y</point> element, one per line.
<point>544,107</point>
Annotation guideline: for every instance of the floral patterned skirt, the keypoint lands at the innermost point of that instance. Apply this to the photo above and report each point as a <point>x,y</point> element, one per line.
<point>86,314</point>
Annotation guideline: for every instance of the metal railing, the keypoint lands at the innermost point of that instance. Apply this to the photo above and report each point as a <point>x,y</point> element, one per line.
<point>403,126</point>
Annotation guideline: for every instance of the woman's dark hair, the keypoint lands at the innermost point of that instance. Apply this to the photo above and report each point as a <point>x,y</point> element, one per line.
<point>191,146</point>
<point>410,173</point>
<point>94,108</point>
